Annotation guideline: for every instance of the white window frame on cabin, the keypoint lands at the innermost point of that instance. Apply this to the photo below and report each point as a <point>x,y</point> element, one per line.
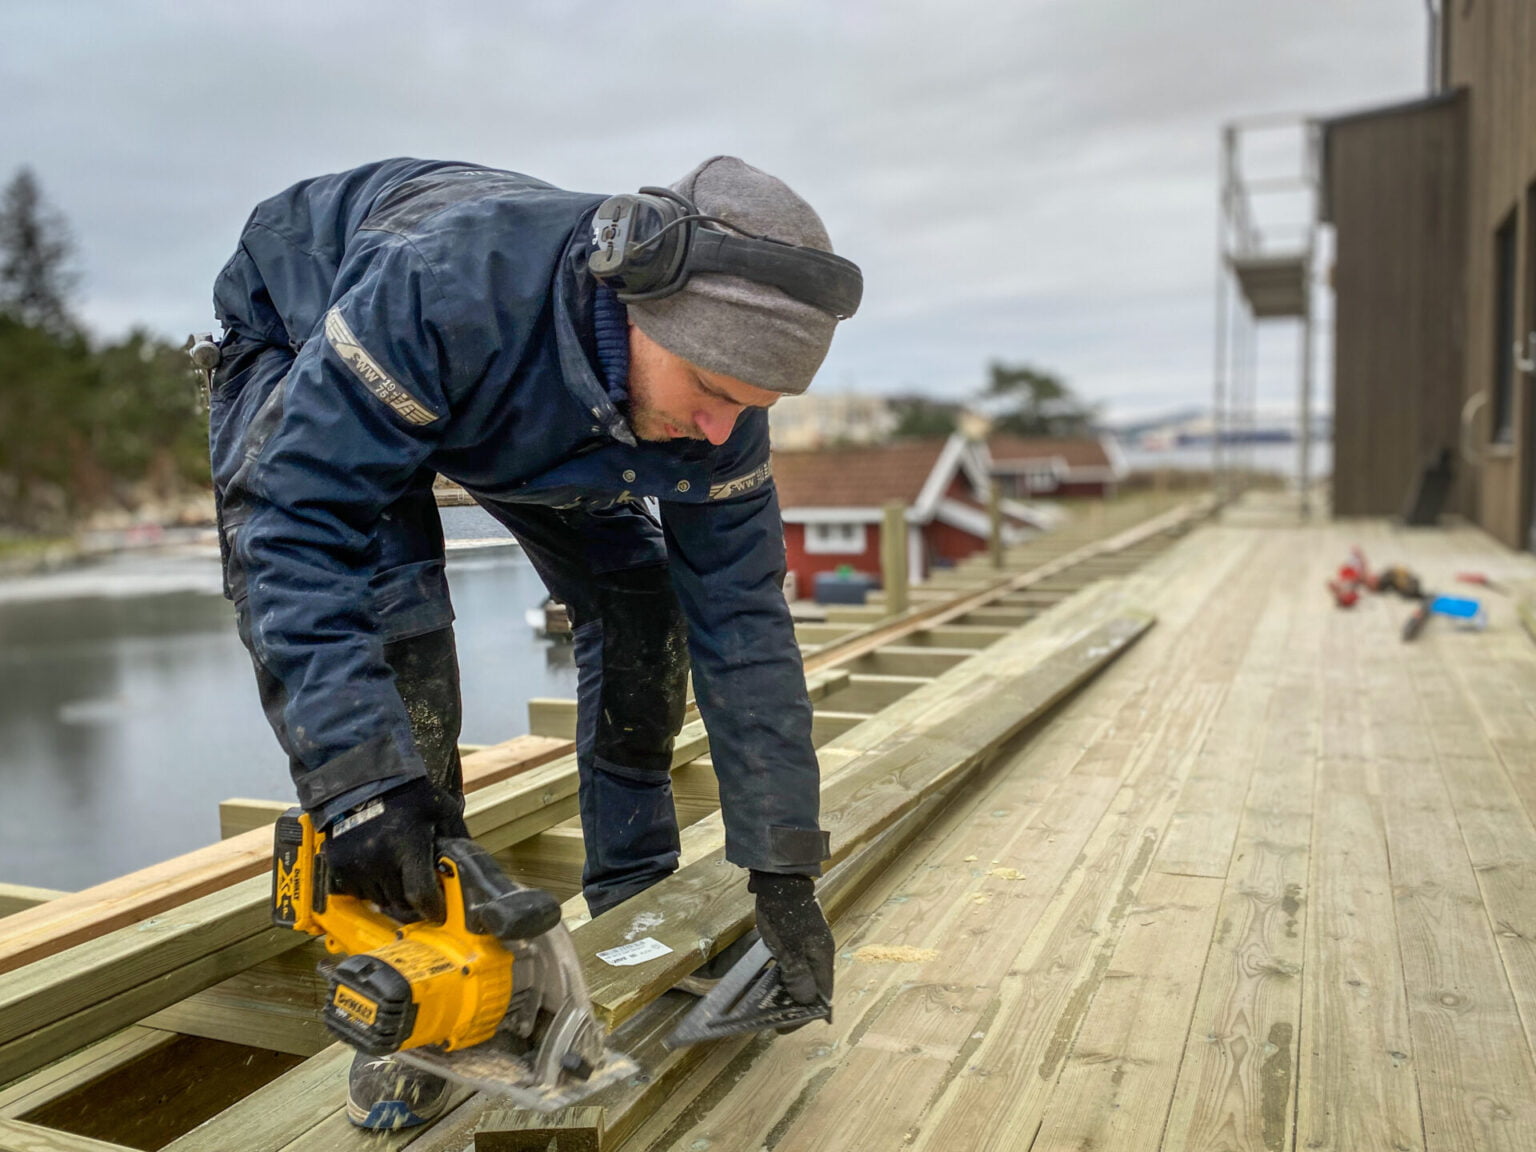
<point>1041,478</point>
<point>835,538</point>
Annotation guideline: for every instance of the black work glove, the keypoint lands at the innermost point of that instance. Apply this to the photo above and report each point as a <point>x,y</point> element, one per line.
<point>390,857</point>
<point>796,932</point>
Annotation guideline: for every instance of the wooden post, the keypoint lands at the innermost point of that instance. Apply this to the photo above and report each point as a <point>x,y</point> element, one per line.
<point>995,521</point>
<point>893,558</point>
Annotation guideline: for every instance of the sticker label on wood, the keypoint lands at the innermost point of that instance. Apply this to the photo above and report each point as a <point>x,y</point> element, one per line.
<point>637,953</point>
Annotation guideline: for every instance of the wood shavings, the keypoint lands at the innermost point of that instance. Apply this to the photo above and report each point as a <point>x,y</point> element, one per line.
<point>979,897</point>
<point>968,859</point>
<point>1005,873</point>
<point>895,954</point>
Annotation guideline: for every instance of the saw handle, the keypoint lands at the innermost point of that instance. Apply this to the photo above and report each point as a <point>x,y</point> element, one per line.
<point>494,904</point>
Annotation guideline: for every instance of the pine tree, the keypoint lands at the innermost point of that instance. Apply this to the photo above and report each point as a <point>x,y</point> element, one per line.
<point>36,258</point>
<point>1036,402</point>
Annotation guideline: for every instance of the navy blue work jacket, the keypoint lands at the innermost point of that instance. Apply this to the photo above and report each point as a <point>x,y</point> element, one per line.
<point>442,319</point>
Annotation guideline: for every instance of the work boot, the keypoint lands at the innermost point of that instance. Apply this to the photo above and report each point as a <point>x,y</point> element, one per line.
<point>702,980</point>
<point>384,1093</point>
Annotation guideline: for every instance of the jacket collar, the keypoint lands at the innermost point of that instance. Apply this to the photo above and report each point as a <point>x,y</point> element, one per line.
<point>573,292</point>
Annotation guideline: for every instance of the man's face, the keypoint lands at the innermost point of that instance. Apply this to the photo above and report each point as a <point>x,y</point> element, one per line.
<point>673,399</point>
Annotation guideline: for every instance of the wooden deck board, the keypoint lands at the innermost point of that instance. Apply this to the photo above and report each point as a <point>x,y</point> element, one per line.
<point>1278,892</point>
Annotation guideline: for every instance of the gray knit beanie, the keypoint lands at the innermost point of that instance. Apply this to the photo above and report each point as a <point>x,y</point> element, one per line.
<point>733,326</point>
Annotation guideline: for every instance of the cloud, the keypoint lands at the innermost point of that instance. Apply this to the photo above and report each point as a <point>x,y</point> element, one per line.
<point>1031,180</point>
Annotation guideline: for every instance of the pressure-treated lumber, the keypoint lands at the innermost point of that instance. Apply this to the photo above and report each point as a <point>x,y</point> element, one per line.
<point>923,1025</point>
<point>869,693</point>
<point>960,635</point>
<point>512,813</point>
<point>241,814</point>
<point>579,1130</point>
<point>92,912</point>
<point>88,1064</point>
<point>36,932</point>
<point>16,1136</point>
<point>910,660</point>
<point>707,900</point>
<point>268,1118</point>
<point>19,897</point>
<point>275,1004</point>
<point>552,717</point>
<point>627,1109</point>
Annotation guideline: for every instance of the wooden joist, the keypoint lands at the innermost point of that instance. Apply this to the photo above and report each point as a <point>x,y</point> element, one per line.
<point>240,814</point>
<point>20,897</point>
<point>869,693</point>
<point>275,1005</point>
<point>706,904</point>
<point>79,916</point>
<point>538,801</point>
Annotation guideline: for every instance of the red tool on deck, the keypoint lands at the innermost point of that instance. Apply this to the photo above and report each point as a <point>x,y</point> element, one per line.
<point>1483,580</point>
<point>1346,585</point>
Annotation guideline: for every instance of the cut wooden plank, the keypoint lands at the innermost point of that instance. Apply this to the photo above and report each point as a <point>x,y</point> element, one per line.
<point>18,897</point>
<point>1356,1085</point>
<point>1356,1090</point>
<point>746,1097</point>
<point>102,908</point>
<point>1117,1079</point>
<point>827,725</point>
<point>999,617</point>
<point>550,717</point>
<point>959,636</point>
<point>44,993</point>
<point>240,814</point>
<point>1006,1082</point>
<point>907,660</point>
<point>856,613</point>
<point>1237,1088</point>
<point>275,1004</point>
<point>874,693</point>
<point>823,633</point>
<point>706,901</point>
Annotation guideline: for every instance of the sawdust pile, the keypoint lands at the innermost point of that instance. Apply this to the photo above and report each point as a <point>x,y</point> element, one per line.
<point>1005,873</point>
<point>895,954</point>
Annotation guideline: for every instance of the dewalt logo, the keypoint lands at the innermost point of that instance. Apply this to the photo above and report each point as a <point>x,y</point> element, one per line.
<point>286,891</point>
<point>355,1006</point>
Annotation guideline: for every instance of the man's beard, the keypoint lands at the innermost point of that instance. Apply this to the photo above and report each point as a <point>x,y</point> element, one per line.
<point>649,424</point>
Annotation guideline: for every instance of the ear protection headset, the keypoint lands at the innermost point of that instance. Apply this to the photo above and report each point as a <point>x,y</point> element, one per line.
<point>646,244</point>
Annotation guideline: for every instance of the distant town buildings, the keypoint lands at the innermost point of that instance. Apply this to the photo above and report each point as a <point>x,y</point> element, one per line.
<point>1027,467</point>
<point>833,505</point>
<point>821,420</point>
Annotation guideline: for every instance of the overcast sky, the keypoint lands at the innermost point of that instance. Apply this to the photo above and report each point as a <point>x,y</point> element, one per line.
<point>1020,179</point>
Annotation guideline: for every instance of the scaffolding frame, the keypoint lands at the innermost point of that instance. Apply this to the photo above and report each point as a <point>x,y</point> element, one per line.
<point>1262,274</point>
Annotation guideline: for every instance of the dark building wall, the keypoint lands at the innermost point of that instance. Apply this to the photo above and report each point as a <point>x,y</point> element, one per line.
<point>1396,192</point>
<point>1491,51</point>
